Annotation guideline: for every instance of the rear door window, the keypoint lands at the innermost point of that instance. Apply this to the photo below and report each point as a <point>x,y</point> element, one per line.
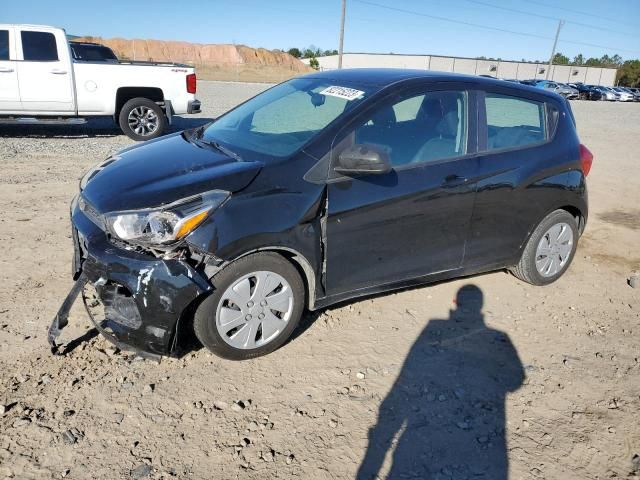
<point>39,46</point>
<point>514,122</point>
<point>4,44</point>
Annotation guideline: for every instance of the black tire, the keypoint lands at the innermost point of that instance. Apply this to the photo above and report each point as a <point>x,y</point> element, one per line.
<point>145,132</point>
<point>204,322</point>
<point>526,269</point>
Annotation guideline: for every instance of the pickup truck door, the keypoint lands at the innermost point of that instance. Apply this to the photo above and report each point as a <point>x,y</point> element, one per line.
<point>45,72</point>
<point>9,92</point>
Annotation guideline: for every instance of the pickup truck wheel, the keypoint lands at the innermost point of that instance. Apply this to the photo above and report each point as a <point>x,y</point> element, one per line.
<point>142,119</point>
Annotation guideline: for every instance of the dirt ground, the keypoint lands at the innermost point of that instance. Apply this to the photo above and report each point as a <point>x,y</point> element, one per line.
<point>532,383</point>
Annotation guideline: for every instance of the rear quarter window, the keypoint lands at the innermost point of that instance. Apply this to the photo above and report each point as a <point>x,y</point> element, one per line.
<point>514,122</point>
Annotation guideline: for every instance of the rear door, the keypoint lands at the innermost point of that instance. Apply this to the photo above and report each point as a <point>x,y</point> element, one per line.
<point>9,92</point>
<point>44,71</point>
<point>521,175</point>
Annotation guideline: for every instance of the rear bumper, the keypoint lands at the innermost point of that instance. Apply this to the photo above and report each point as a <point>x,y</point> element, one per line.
<point>194,106</point>
<point>135,299</point>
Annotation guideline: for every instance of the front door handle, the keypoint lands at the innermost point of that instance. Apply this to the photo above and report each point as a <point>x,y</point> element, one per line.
<point>452,181</point>
<point>56,71</point>
<point>6,70</point>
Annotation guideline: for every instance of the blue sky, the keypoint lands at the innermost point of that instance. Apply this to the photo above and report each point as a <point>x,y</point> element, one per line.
<point>369,27</point>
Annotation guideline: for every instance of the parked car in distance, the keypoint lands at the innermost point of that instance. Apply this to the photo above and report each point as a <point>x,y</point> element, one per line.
<point>624,96</point>
<point>636,95</point>
<point>322,189</point>
<point>587,92</point>
<point>607,94</point>
<point>44,80</point>
<point>559,88</point>
<point>92,52</point>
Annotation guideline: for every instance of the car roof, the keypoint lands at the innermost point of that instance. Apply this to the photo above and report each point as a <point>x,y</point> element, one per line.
<point>383,77</point>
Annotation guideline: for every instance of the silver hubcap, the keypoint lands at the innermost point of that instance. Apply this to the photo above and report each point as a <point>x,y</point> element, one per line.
<point>554,250</point>
<point>143,121</point>
<point>254,310</point>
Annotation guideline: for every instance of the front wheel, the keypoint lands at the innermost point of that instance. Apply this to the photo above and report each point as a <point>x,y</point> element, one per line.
<point>550,249</point>
<point>142,119</point>
<point>256,304</point>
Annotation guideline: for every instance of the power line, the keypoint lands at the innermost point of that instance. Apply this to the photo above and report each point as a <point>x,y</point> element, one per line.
<point>548,17</point>
<point>592,15</point>
<point>488,27</point>
<point>451,20</point>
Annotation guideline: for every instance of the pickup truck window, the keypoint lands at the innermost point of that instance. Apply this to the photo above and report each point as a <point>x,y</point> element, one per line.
<point>92,53</point>
<point>39,46</point>
<point>4,44</point>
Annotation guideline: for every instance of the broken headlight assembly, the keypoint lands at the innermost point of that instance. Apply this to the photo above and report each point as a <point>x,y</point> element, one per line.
<point>161,227</point>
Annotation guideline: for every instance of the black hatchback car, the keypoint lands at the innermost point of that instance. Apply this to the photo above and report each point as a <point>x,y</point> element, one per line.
<point>321,189</point>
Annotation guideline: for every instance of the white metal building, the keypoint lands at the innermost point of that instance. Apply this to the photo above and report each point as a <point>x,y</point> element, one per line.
<point>472,66</point>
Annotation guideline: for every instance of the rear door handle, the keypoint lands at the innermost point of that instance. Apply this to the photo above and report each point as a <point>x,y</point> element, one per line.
<point>451,181</point>
<point>56,71</point>
<point>6,70</point>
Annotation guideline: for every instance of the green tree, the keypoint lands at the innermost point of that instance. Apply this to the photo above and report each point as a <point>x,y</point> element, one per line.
<point>560,59</point>
<point>294,52</point>
<point>629,74</point>
<point>313,63</point>
<point>578,59</point>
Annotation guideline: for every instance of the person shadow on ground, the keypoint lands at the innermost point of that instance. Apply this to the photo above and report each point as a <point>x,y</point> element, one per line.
<point>444,417</point>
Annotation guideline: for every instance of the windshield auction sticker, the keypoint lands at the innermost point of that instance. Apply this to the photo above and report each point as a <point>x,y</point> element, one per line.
<point>342,92</point>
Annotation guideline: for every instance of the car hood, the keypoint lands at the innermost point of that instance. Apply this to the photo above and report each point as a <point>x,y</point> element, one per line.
<point>163,171</point>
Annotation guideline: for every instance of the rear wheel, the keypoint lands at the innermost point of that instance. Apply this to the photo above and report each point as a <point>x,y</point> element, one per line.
<point>256,304</point>
<point>142,119</point>
<point>550,249</point>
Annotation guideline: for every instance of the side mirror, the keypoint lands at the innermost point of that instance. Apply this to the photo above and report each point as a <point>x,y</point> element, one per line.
<point>363,160</point>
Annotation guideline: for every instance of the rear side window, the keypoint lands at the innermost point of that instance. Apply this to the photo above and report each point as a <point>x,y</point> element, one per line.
<point>4,44</point>
<point>92,53</point>
<point>514,122</point>
<point>39,46</point>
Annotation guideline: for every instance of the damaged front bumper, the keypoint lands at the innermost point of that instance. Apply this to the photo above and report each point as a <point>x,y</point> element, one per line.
<point>135,299</point>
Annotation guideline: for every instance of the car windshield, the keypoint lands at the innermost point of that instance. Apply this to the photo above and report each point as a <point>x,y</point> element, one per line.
<point>280,121</point>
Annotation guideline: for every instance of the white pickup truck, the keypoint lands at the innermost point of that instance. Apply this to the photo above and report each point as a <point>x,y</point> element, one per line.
<point>42,82</point>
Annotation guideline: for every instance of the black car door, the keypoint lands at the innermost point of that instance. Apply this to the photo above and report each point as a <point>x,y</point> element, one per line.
<point>521,175</point>
<point>412,221</point>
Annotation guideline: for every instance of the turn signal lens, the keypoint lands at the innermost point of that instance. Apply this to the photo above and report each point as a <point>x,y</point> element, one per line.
<point>190,224</point>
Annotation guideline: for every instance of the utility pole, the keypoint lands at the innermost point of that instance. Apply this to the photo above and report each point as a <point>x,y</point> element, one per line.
<point>340,46</point>
<point>553,50</point>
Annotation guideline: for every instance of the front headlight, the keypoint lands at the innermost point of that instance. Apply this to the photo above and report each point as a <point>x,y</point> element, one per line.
<point>164,225</point>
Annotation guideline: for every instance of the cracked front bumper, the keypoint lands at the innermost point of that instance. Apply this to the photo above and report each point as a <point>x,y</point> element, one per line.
<point>135,299</point>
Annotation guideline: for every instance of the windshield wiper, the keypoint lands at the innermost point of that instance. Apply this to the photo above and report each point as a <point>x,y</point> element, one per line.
<point>222,148</point>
